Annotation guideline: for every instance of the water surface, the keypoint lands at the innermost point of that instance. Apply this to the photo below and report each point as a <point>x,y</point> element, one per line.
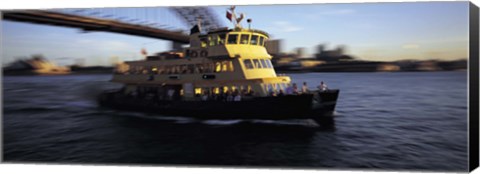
<point>414,121</point>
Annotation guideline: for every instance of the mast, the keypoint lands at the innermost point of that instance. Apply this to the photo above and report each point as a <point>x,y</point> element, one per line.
<point>232,16</point>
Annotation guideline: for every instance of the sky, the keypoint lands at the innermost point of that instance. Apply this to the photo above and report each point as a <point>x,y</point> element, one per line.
<point>370,31</point>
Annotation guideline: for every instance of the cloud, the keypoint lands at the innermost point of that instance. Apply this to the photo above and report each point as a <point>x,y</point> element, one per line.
<point>329,13</point>
<point>410,46</point>
<point>338,12</point>
<point>286,26</point>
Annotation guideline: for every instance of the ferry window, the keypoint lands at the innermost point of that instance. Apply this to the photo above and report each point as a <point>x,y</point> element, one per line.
<point>206,68</point>
<point>221,39</point>
<point>203,42</point>
<point>225,66</point>
<point>244,39</point>
<point>261,41</point>
<point>212,40</point>
<point>269,63</point>
<point>179,69</point>
<point>254,40</point>
<point>233,88</point>
<point>230,66</point>
<point>198,91</point>
<point>218,67</point>
<point>166,70</point>
<point>257,64</point>
<point>264,63</point>
<point>154,70</point>
<point>172,70</point>
<point>160,69</point>
<point>210,67</point>
<point>191,68</point>
<point>232,38</point>
<point>176,69</point>
<point>248,64</point>
<point>198,68</point>
<point>184,69</point>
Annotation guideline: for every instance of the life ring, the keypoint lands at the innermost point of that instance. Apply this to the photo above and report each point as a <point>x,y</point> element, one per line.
<point>193,54</point>
<point>204,53</point>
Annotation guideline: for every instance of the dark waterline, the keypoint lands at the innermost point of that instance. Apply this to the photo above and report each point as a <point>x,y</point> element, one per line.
<point>415,121</point>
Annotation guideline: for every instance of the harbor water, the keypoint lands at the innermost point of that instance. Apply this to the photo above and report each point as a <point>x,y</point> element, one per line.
<point>404,120</point>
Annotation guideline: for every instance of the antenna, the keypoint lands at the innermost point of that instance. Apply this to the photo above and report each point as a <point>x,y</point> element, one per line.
<point>233,17</point>
<point>199,24</point>
<point>249,22</point>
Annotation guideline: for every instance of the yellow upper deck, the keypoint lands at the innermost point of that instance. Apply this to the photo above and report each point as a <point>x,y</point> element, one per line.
<point>233,43</point>
<point>227,57</point>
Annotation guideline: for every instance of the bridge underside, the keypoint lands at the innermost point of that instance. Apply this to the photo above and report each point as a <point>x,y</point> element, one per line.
<point>93,24</point>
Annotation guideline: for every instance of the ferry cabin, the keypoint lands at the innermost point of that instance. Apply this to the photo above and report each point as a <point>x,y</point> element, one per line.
<point>221,61</point>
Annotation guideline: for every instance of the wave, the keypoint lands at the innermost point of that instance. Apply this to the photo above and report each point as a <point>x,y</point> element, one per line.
<point>83,104</point>
<point>222,122</point>
<point>32,109</point>
<point>186,120</point>
<point>159,117</point>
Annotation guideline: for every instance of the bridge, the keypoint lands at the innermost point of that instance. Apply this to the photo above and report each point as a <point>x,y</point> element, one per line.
<point>146,22</point>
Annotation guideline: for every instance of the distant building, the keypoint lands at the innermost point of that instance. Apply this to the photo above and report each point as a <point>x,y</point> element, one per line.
<point>430,65</point>
<point>387,67</point>
<point>274,47</point>
<point>300,52</point>
<point>334,55</point>
<point>37,65</point>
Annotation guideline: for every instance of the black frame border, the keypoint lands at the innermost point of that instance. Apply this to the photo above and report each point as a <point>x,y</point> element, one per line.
<point>473,88</point>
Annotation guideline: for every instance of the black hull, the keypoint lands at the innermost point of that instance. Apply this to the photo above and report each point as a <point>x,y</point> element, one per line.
<point>307,106</point>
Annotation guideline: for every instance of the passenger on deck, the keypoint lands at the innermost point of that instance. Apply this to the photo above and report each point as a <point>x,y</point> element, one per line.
<point>235,92</point>
<point>305,88</point>
<point>170,93</point>
<point>322,86</point>
<point>229,96</point>
<point>295,89</point>
<point>215,97</point>
<point>221,96</point>
<point>238,96</point>
<point>244,92</point>
<point>251,93</point>
<point>289,90</point>
<point>280,93</point>
<point>205,96</point>
<point>271,92</point>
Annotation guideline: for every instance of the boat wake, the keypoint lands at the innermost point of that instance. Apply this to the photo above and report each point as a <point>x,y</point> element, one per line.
<point>217,122</point>
<point>222,122</point>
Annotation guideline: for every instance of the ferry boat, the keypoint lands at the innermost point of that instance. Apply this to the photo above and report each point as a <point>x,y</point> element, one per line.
<point>224,74</point>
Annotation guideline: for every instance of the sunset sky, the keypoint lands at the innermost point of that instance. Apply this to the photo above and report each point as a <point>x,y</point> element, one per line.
<point>370,31</point>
